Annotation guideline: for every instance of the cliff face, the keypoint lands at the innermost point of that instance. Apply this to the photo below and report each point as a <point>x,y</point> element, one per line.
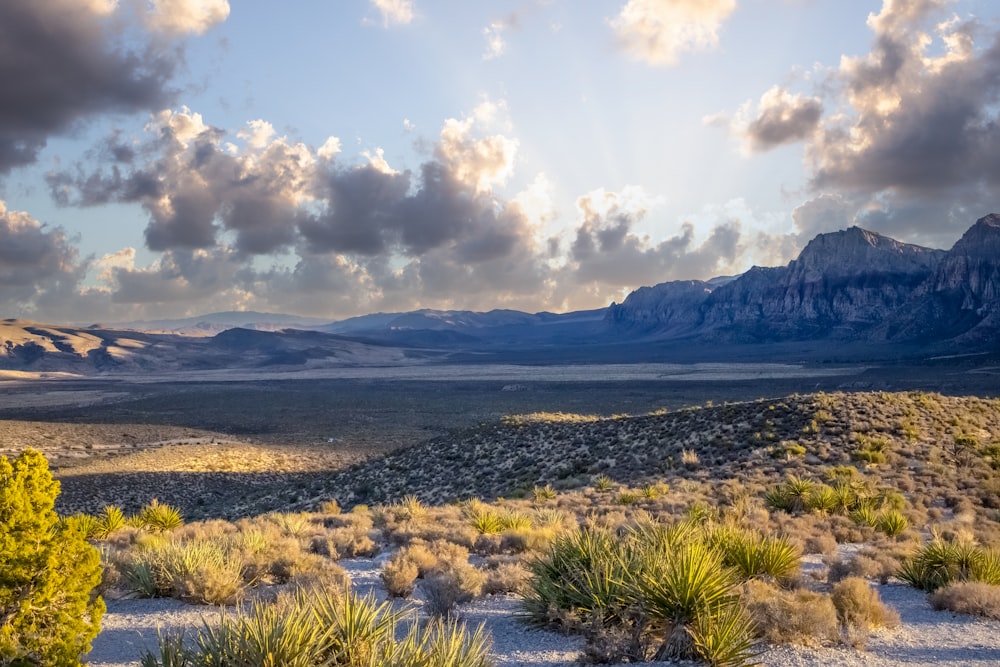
<point>669,306</point>
<point>852,284</point>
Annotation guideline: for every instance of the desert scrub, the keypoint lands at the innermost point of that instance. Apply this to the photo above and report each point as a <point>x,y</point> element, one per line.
<point>664,585</point>
<point>860,610</point>
<point>199,572</point>
<point>791,616</point>
<point>968,597</point>
<point>321,627</point>
<point>399,576</point>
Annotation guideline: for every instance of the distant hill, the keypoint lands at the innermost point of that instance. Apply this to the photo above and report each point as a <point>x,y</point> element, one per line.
<point>42,348</point>
<point>213,323</point>
<point>754,444</point>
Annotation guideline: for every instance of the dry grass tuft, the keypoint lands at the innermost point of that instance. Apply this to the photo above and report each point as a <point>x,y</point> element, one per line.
<point>968,597</point>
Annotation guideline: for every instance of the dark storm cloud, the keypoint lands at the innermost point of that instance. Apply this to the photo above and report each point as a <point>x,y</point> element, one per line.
<point>59,64</point>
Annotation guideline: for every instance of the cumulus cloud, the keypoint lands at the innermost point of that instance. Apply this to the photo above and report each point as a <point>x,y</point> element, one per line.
<point>440,231</point>
<point>780,117</point>
<point>394,12</point>
<point>608,258</point>
<point>34,261</point>
<point>186,16</point>
<point>660,31</point>
<point>61,62</point>
<point>903,139</point>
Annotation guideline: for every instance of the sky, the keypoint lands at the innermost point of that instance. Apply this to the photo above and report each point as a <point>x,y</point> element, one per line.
<point>332,158</point>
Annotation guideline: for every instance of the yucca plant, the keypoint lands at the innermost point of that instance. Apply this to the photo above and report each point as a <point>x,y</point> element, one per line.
<point>864,515</point>
<point>754,556</point>
<point>410,507</point>
<point>777,498</point>
<point>725,639</point>
<point>291,524</point>
<point>628,498</point>
<point>798,491</point>
<point>487,522</point>
<point>938,563</point>
<point>891,523</point>
<point>172,651</point>
<point>361,629</point>
<point>674,590</point>
<point>267,635</point>
<point>987,568</point>
<point>158,517</point>
<point>549,516</point>
<point>581,573</point>
<point>652,491</point>
<point>323,628</point>
<point>846,496</point>
<point>822,499</point>
<point>515,520</point>
<point>544,493</point>
<point>441,644</point>
<point>603,483</point>
<point>111,518</point>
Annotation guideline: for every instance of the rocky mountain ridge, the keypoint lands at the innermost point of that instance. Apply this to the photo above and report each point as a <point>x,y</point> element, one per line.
<point>848,285</point>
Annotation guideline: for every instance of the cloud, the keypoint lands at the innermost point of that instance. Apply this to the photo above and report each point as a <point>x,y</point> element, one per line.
<point>903,139</point>
<point>34,260</point>
<point>608,258</point>
<point>186,16</point>
<point>780,118</point>
<point>61,63</point>
<point>440,232</point>
<point>394,12</point>
<point>496,46</point>
<point>660,31</point>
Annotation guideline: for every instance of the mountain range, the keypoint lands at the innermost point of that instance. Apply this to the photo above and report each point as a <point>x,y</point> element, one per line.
<point>847,290</point>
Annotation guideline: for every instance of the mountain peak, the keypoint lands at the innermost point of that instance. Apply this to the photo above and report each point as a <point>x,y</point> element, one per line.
<point>857,251</point>
<point>983,238</point>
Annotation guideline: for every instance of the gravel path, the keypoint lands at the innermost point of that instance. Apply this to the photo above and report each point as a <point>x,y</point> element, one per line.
<point>925,638</point>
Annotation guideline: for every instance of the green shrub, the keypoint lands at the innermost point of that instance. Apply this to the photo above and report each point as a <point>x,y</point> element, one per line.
<point>47,616</point>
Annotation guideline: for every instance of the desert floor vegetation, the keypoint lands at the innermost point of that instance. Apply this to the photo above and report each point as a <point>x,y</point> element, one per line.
<point>700,534</point>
